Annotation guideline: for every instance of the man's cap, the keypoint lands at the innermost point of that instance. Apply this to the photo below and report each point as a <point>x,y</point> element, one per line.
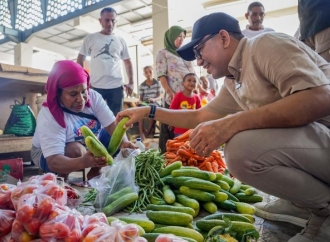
<point>209,24</point>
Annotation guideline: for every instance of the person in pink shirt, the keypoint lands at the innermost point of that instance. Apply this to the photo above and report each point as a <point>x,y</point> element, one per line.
<point>186,99</point>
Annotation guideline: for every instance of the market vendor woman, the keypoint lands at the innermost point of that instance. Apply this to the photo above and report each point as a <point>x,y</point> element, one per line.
<point>57,145</point>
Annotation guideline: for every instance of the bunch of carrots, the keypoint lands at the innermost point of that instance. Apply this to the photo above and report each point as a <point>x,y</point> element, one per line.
<point>179,149</point>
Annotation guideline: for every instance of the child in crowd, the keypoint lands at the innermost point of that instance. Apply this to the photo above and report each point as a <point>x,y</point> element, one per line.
<point>186,99</point>
<point>206,97</point>
<point>149,92</point>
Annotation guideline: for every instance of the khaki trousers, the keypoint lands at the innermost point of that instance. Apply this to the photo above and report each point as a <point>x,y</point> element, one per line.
<point>320,43</point>
<point>292,163</point>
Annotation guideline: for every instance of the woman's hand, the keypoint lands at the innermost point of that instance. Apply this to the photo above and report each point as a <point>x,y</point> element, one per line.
<point>135,114</point>
<point>128,144</point>
<point>170,94</point>
<point>93,161</point>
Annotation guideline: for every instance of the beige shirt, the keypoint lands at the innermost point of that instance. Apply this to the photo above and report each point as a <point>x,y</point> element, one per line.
<point>266,69</point>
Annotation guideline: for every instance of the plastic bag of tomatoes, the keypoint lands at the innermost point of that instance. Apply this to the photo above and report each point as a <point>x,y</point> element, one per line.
<point>7,218</point>
<point>66,226</point>
<point>74,196</point>
<point>19,191</point>
<point>5,196</point>
<point>33,210</point>
<point>169,238</point>
<point>93,221</point>
<point>55,191</point>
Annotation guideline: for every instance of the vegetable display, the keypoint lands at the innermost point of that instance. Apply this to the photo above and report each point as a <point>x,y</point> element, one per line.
<point>179,149</point>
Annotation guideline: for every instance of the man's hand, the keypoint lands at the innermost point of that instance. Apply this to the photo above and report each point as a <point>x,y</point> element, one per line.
<point>210,135</point>
<point>135,114</point>
<point>129,89</point>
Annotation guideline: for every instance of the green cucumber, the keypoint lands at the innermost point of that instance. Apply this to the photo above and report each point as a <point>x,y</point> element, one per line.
<point>120,203</point>
<point>167,170</point>
<point>170,208</point>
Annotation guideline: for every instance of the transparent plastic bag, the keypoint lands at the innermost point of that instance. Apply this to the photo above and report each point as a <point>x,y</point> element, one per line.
<point>115,180</point>
<point>7,218</point>
<point>5,196</point>
<point>66,225</point>
<point>169,238</point>
<point>93,221</point>
<point>33,210</point>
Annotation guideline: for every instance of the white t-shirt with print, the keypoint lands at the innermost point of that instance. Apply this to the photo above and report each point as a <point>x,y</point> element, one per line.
<point>252,33</point>
<point>52,138</point>
<point>106,52</point>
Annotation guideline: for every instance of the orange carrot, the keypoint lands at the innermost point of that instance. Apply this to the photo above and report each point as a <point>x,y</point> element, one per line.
<point>215,166</point>
<point>184,136</point>
<point>208,159</point>
<point>173,160</point>
<point>220,162</point>
<point>185,153</point>
<point>209,166</point>
<point>170,155</point>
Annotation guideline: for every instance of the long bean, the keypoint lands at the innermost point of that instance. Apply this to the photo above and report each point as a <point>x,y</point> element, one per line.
<point>148,165</point>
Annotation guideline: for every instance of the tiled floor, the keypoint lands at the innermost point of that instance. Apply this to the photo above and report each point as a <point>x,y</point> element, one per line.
<point>270,231</point>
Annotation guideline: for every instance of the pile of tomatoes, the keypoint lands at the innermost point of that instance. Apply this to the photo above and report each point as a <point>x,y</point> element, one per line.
<point>36,210</point>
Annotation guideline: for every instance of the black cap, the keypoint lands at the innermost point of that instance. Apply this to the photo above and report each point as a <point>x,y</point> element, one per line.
<point>209,24</point>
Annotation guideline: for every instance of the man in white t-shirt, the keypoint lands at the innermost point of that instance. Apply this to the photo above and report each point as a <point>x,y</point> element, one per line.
<point>255,15</point>
<point>106,50</point>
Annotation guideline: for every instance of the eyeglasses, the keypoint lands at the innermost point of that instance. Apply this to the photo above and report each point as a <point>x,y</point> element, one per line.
<point>198,55</point>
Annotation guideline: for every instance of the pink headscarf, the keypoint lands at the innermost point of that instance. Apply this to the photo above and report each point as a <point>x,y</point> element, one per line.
<point>64,74</point>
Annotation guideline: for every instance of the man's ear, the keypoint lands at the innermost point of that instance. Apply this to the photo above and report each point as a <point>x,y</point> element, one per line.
<point>100,20</point>
<point>225,38</point>
<point>247,15</point>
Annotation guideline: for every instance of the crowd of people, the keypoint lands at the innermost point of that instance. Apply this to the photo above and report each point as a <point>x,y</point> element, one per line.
<point>271,113</point>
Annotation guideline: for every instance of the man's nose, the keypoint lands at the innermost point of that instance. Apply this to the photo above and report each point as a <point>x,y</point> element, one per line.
<point>199,61</point>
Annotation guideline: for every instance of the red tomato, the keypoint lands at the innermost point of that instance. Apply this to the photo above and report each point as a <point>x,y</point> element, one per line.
<point>16,230</point>
<point>25,237</point>
<point>33,226</point>
<point>88,229</point>
<point>6,220</point>
<point>54,230</point>
<point>129,232</point>
<point>45,207</point>
<point>25,213</point>
<point>74,236</point>
<point>55,191</point>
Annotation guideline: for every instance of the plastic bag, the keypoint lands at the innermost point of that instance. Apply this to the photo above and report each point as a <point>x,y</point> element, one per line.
<point>18,233</point>
<point>67,225</point>
<point>93,221</point>
<point>7,218</point>
<point>19,191</point>
<point>5,196</point>
<point>33,210</point>
<point>74,196</point>
<point>115,180</point>
<point>21,121</point>
<point>169,238</point>
<point>102,234</point>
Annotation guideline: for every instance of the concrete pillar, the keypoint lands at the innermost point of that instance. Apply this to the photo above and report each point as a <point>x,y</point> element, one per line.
<point>23,54</point>
<point>161,23</point>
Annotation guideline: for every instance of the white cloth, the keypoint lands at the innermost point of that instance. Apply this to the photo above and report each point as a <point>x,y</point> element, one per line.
<point>106,52</point>
<point>52,138</point>
<point>213,84</point>
<point>252,33</point>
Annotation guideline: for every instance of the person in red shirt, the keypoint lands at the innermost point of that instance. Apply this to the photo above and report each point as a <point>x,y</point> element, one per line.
<point>186,99</point>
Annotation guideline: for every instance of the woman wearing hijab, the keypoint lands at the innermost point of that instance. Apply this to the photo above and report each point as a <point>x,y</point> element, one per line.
<point>171,69</point>
<point>57,143</point>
